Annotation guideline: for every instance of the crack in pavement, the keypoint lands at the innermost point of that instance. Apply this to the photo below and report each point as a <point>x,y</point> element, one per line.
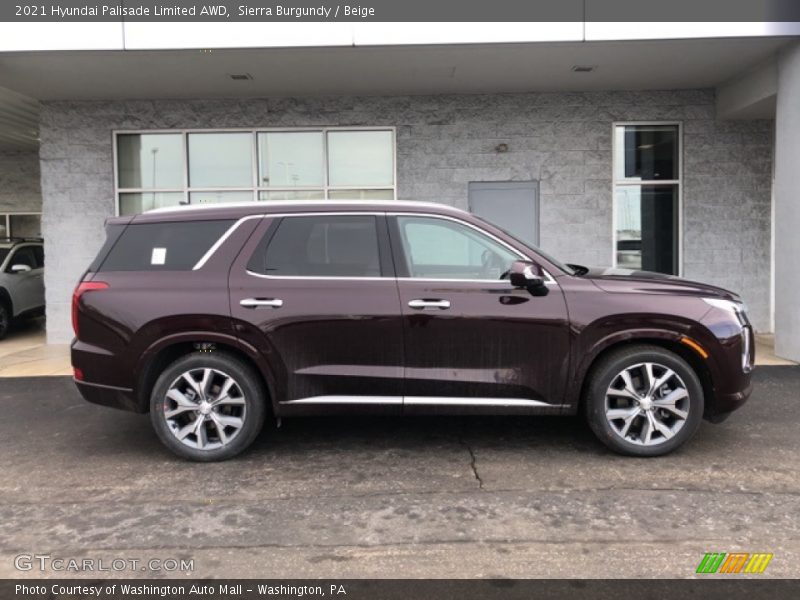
<point>472,461</point>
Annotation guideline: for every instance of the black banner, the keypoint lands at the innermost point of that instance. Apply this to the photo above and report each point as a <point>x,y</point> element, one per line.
<point>403,10</point>
<point>397,589</point>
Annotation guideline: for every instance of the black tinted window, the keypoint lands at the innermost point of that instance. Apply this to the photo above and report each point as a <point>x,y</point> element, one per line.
<point>324,246</point>
<point>38,252</point>
<point>163,246</point>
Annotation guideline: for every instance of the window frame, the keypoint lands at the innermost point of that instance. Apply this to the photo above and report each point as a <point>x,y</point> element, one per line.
<point>404,248</point>
<point>384,249</point>
<point>616,183</point>
<point>398,252</point>
<point>254,188</point>
<point>6,218</point>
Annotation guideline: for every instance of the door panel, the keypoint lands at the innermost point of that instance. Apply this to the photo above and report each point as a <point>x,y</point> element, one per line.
<point>326,338</point>
<point>477,338</point>
<point>493,341</point>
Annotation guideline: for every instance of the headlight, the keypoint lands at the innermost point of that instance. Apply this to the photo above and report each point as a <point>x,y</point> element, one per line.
<point>739,311</point>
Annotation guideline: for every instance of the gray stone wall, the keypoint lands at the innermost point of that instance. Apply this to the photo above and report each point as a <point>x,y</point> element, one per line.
<point>562,140</point>
<point>19,182</point>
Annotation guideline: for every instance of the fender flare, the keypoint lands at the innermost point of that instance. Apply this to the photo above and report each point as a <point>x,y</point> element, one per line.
<point>263,367</point>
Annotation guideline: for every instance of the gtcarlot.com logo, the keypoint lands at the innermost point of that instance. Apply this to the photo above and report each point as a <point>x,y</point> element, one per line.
<point>46,562</point>
<point>734,562</point>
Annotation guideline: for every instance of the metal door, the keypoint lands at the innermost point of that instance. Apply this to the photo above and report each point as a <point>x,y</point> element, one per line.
<point>511,205</point>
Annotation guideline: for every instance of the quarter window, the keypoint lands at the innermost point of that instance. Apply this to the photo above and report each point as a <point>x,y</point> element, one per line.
<point>163,246</point>
<point>161,169</point>
<point>442,249</point>
<point>647,190</point>
<point>324,246</point>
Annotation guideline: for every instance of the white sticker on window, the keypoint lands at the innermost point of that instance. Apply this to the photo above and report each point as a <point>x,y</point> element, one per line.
<point>159,256</point>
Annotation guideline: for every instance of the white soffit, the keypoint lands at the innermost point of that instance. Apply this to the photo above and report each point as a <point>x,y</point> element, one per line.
<point>610,31</point>
<point>20,37</point>
<point>388,34</point>
<point>163,36</point>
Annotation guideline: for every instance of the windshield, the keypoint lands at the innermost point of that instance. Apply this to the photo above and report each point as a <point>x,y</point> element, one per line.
<point>535,249</point>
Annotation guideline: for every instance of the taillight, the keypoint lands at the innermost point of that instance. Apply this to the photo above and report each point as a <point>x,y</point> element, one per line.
<point>83,287</point>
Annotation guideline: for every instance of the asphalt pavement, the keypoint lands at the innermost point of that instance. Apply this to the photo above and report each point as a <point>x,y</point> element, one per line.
<point>395,497</point>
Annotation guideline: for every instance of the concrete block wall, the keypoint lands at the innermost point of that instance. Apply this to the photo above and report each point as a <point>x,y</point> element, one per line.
<point>563,140</point>
<point>19,182</point>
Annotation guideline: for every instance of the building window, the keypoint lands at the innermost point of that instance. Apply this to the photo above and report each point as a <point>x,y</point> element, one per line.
<point>21,225</point>
<point>647,192</point>
<point>167,168</point>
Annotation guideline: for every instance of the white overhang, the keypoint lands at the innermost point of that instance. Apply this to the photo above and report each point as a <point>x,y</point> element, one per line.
<point>393,69</point>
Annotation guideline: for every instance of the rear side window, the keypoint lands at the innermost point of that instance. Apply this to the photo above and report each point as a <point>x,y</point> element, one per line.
<point>163,246</point>
<point>324,246</point>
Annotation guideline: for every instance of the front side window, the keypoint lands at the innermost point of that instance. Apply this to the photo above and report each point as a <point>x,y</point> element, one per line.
<point>23,256</point>
<point>646,197</point>
<point>443,249</point>
<point>324,246</point>
<point>161,169</point>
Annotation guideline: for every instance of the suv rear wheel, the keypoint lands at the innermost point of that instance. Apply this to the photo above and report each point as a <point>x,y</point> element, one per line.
<point>644,401</point>
<point>208,407</point>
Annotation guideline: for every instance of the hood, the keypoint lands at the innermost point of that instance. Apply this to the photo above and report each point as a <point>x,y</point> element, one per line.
<point>647,282</point>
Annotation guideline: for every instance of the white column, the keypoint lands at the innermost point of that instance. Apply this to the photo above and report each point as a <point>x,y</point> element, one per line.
<point>787,206</point>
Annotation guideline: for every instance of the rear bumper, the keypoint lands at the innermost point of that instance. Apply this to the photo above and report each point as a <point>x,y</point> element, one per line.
<point>105,395</point>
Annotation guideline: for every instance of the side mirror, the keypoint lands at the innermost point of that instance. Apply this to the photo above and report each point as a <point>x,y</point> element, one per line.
<point>20,268</point>
<point>530,276</point>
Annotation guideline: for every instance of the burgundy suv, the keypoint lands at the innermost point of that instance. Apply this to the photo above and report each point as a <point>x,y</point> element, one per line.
<point>213,317</point>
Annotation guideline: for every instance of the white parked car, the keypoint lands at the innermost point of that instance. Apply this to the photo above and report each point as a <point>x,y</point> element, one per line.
<point>21,280</point>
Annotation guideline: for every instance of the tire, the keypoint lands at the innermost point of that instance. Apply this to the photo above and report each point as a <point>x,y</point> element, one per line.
<point>671,414</point>
<point>176,405</point>
<point>5,320</point>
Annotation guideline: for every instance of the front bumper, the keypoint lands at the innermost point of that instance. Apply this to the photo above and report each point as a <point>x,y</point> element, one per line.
<point>725,404</point>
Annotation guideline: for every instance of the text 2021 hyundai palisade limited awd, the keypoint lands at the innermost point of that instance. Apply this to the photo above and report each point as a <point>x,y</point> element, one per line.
<point>210,318</point>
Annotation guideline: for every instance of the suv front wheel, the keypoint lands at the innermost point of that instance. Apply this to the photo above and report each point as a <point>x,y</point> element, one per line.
<point>644,401</point>
<point>208,407</point>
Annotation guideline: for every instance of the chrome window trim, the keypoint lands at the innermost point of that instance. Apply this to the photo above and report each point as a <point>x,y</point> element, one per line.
<point>222,239</point>
<point>549,280</point>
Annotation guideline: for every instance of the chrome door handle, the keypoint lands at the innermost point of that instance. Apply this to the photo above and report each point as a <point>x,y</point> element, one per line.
<point>261,303</point>
<point>421,304</point>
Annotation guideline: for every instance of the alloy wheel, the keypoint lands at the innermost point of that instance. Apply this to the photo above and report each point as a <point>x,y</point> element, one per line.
<point>205,408</point>
<point>647,404</point>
